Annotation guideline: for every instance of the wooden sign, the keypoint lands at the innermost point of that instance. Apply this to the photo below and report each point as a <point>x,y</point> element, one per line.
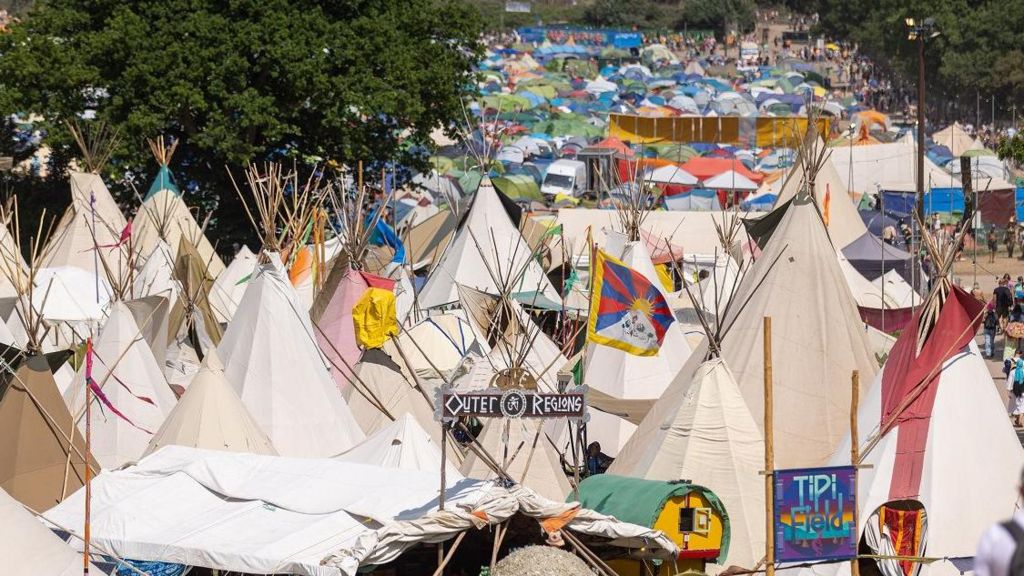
<point>510,403</point>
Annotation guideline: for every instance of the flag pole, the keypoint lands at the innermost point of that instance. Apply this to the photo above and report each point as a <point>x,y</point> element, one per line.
<point>855,461</point>
<point>88,451</point>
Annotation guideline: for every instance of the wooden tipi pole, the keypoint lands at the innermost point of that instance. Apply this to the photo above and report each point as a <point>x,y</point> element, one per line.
<point>769,452</point>
<point>855,461</point>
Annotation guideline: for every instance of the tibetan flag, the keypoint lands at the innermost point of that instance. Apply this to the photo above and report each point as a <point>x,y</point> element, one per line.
<point>627,311</point>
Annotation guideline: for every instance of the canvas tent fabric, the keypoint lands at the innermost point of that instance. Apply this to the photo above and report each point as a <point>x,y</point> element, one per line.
<point>402,445</point>
<point>332,314</point>
<point>152,315</point>
<point>270,515</point>
<point>898,290</point>
<point>887,167</point>
<point>210,415</point>
<point>126,371</point>
<point>694,232</point>
<point>229,286</point>
<point>921,426</point>
<point>956,139</point>
<point>272,360</point>
<point>486,249</point>
<point>156,278</point>
<point>436,343</point>
<point>29,547</point>
<point>427,240</point>
<point>873,258</point>
<point>165,216</point>
<point>817,334</point>
<point>193,312</point>
<point>535,466</point>
<point>72,242</point>
<point>42,456</point>
<point>844,223</point>
<point>379,381</point>
<point>702,430</point>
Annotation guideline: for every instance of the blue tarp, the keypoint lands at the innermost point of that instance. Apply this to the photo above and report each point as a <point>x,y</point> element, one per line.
<point>944,201</point>
<point>1019,204</point>
<point>898,204</point>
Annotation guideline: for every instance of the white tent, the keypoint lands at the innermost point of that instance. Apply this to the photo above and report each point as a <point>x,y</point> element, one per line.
<point>127,373</point>
<point>818,338</point>
<point>901,293</point>
<point>520,447</point>
<point>844,223</point>
<point>487,246</point>
<point>165,216</point>
<point>702,431</point>
<point>92,211</point>
<point>378,379</point>
<point>730,180</point>
<point>210,415</point>
<point>403,445</point>
<point>934,435</point>
<point>70,294</point>
<point>229,287</point>
<point>671,174</point>
<point>256,514</point>
<point>156,278</point>
<point>866,293</point>
<point>271,359</point>
<point>888,167</point>
<point>29,547</point>
<point>438,343</point>
<point>956,139</point>
<point>693,231</point>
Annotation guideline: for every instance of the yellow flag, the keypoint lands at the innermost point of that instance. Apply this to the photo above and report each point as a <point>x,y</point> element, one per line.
<point>375,318</point>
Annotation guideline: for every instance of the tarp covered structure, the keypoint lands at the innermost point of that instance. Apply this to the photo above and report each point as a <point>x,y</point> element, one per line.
<point>270,515</point>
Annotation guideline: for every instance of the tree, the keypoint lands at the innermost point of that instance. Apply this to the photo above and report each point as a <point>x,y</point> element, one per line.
<point>243,81</point>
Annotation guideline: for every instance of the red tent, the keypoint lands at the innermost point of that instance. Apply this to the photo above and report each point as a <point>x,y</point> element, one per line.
<point>704,168</point>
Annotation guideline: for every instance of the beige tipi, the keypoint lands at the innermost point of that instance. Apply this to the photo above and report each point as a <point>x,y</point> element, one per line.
<point>379,386</point>
<point>31,548</point>
<point>211,415</point>
<point>42,455</point>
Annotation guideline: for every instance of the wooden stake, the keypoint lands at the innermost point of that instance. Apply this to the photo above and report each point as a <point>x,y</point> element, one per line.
<point>769,452</point>
<point>448,556</point>
<point>86,532</point>
<point>855,461</point>
<point>444,462</point>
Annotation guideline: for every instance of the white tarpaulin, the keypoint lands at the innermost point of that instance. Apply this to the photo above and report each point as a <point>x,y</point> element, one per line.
<point>272,515</point>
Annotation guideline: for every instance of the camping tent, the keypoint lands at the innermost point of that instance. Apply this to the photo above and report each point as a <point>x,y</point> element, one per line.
<point>932,425</point>
<point>487,249</point>
<point>31,548</point>
<point>872,258</point>
<point>72,242</point>
<point>844,223</point>
<point>125,370</point>
<point>271,358</point>
<point>165,216</point>
<point>535,465</point>
<point>817,334</point>
<point>42,456</point>
<point>211,415</point>
<point>229,286</point>
<point>402,445</point>
<point>701,430</point>
<point>887,167</point>
<point>379,385</point>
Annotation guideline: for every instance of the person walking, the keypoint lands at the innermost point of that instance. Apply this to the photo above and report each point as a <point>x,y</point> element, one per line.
<point>1004,300</point>
<point>997,553</point>
<point>989,326</point>
<point>992,241</point>
<point>1010,237</point>
<point>1015,386</point>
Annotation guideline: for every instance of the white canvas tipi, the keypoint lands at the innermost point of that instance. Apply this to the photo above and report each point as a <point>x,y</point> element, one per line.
<point>229,286</point>
<point>127,373</point>
<point>402,445</point>
<point>818,339</point>
<point>271,358</point>
<point>164,216</point>
<point>486,250</point>
<point>92,210</point>
<point>29,547</point>
<point>520,447</point>
<point>701,430</point>
<point>211,415</point>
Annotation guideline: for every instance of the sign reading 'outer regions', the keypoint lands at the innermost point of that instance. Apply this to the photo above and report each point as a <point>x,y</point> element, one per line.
<point>512,403</point>
<point>815,514</point>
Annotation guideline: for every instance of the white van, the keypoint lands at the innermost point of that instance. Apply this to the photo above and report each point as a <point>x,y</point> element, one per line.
<point>565,176</point>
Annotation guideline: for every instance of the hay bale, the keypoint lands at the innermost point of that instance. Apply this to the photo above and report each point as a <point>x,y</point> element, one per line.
<point>541,561</point>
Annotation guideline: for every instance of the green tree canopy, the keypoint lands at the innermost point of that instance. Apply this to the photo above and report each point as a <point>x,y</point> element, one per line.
<point>243,80</point>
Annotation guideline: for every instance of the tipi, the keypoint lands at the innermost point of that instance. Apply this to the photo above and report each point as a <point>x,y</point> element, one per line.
<point>211,415</point>
<point>31,548</point>
<point>271,358</point>
<point>487,250</point>
<point>402,445</point>
<point>126,372</point>
<point>379,386</point>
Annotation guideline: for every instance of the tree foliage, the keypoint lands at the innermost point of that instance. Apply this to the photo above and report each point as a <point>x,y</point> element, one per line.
<point>1012,149</point>
<point>979,49</point>
<point>244,80</point>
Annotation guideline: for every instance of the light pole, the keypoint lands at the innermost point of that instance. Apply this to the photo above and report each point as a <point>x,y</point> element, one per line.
<point>920,31</point>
